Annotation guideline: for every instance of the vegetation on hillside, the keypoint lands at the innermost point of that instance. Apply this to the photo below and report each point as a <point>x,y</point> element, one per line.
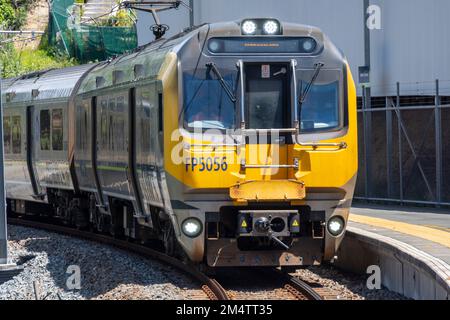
<point>13,62</point>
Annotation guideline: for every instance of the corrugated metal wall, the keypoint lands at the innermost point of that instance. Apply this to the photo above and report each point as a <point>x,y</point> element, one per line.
<point>412,47</point>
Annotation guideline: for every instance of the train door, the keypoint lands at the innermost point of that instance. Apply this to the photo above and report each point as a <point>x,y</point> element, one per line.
<point>147,127</point>
<point>35,140</point>
<point>268,119</point>
<point>134,140</point>
<point>101,198</point>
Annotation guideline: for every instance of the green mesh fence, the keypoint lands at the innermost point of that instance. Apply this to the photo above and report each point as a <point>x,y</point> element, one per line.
<point>86,42</point>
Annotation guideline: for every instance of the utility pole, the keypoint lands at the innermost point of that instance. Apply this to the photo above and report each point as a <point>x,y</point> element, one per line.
<point>367,105</point>
<point>7,269</point>
<point>191,13</point>
<point>3,231</point>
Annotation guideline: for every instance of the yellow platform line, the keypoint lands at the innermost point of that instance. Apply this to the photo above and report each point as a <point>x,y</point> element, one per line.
<point>438,236</point>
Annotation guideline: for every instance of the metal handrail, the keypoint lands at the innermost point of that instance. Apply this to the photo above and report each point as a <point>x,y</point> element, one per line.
<point>240,65</point>
<point>294,78</point>
<point>315,145</point>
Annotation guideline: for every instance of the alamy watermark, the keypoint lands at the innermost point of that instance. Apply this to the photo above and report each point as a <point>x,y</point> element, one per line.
<point>374,280</point>
<point>73,282</point>
<point>373,21</point>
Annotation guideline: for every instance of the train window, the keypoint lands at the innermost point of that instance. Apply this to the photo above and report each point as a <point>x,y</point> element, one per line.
<point>143,119</point>
<point>16,135</point>
<point>320,110</point>
<point>44,120</point>
<point>111,108</point>
<point>206,103</point>
<point>104,124</point>
<point>265,104</point>
<point>57,129</point>
<point>266,96</point>
<point>7,134</point>
<point>119,120</point>
<point>83,124</point>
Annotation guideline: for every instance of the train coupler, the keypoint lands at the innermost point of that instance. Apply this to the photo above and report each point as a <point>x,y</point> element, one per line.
<point>268,223</point>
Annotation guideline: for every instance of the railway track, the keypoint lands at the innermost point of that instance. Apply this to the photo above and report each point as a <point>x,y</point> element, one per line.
<point>272,284</point>
<point>288,287</point>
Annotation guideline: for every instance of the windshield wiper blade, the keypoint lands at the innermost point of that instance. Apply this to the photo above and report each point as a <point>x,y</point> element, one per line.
<point>224,85</point>
<point>318,66</point>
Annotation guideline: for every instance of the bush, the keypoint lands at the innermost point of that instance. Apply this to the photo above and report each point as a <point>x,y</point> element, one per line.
<point>14,13</point>
<point>13,63</point>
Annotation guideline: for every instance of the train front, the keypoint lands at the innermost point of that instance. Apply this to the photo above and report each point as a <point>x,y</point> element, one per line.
<point>262,162</point>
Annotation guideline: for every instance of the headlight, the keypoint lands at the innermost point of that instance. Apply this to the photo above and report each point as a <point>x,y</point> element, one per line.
<point>270,27</point>
<point>336,225</point>
<point>248,27</point>
<point>192,227</point>
<point>309,45</point>
<point>214,45</point>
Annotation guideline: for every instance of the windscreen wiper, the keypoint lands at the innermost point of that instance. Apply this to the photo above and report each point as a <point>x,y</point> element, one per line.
<point>212,66</point>
<point>318,66</point>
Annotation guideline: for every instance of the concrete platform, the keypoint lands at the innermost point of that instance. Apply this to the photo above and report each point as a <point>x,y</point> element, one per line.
<point>411,246</point>
<point>427,230</point>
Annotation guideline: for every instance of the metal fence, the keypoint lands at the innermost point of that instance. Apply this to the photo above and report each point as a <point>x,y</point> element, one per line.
<point>404,147</point>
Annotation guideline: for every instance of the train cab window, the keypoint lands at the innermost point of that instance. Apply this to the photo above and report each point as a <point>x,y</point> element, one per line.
<point>320,110</point>
<point>206,103</point>
<point>7,134</point>
<point>57,129</point>
<point>44,120</point>
<point>16,135</point>
<point>266,96</point>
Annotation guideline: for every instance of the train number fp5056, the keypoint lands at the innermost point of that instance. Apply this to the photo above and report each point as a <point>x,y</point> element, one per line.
<point>206,164</point>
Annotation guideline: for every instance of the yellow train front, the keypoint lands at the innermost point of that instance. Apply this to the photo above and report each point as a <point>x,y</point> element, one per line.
<point>260,143</point>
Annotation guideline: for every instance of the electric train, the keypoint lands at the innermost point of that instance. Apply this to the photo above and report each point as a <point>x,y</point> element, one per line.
<point>231,144</point>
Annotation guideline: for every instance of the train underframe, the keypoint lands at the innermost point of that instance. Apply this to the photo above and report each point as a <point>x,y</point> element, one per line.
<point>265,234</point>
<point>81,211</point>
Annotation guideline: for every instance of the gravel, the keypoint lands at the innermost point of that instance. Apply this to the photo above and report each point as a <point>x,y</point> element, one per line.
<point>110,273</point>
<point>347,286</point>
<point>106,272</point>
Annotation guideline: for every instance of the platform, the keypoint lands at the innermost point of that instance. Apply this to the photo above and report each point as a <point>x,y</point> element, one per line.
<point>425,229</point>
<point>410,245</point>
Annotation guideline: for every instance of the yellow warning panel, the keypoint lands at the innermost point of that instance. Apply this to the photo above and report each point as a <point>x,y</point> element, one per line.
<point>271,190</point>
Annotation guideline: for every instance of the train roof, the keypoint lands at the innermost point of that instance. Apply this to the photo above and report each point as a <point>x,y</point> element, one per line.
<point>63,83</point>
<point>43,85</point>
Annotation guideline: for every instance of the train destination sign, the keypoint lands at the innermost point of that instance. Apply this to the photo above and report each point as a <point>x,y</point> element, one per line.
<point>302,45</point>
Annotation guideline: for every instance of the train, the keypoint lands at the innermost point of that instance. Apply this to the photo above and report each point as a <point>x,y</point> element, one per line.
<point>229,144</point>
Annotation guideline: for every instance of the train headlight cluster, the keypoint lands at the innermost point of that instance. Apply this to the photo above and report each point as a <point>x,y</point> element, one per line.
<point>257,27</point>
<point>336,225</point>
<point>192,227</point>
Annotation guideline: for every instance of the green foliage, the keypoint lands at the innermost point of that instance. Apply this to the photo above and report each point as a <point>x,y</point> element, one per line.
<point>13,13</point>
<point>122,18</point>
<point>14,63</point>
<point>7,13</point>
